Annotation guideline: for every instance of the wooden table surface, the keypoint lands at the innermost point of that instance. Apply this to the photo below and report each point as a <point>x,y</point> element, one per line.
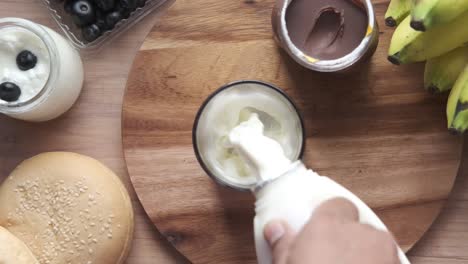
<point>92,128</point>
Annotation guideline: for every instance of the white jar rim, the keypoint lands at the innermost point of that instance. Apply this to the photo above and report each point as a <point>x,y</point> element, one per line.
<point>54,66</point>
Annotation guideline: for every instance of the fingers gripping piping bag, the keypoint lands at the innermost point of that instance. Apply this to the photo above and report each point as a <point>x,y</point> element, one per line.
<point>286,189</point>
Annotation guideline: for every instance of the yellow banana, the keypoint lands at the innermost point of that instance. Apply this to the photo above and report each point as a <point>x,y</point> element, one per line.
<point>457,105</point>
<point>421,9</point>
<point>427,14</point>
<point>397,11</point>
<point>441,72</point>
<point>402,36</point>
<point>429,44</point>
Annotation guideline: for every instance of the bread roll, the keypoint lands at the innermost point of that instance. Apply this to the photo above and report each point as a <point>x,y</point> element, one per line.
<point>13,250</point>
<point>68,209</point>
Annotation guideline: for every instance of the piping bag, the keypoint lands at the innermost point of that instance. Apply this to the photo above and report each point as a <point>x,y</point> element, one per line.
<point>286,189</point>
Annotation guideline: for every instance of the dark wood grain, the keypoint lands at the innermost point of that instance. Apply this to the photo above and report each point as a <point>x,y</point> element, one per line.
<point>374,130</point>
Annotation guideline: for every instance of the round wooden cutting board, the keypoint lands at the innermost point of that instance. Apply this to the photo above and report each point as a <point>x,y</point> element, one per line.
<point>376,131</point>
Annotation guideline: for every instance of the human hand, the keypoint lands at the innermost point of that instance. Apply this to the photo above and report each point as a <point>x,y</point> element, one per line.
<point>333,235</point>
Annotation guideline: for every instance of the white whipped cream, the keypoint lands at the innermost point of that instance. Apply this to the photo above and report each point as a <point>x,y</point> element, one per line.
<point>262,154</point>
<point>13,40</point>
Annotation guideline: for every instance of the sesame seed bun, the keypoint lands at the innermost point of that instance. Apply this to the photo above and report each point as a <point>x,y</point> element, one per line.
<point>68,208</point>
<point>13,250</point>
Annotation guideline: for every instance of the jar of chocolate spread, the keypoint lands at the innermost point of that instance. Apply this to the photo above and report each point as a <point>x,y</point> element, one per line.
<point>326,35</point>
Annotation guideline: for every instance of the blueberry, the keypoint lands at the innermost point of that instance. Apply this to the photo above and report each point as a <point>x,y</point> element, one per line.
<point>68,5</point>
<point>128,4</point>
<point>140,3</point>
<point>99,13</point>
<point>101,23</point>
<point>101,20</point>
<point>83,13</point>
<point>105,5</point>
<point>124,13</point>
<point>113,18</point>
<point>126,7</point>
<point>26,60</point>
<point>91,32</point>
<point>9,92</point>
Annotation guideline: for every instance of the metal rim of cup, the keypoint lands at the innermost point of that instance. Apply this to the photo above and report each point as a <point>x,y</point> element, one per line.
<point>200,160</point>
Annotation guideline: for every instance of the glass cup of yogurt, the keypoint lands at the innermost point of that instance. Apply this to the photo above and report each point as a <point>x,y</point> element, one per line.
<point>41,74</point>
<point>231,105</point>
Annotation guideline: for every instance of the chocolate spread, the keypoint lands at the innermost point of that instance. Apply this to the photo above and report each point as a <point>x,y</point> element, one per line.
<point>326,29</point>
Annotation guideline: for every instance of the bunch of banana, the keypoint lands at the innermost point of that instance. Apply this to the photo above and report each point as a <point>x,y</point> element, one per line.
<point>435,31</point>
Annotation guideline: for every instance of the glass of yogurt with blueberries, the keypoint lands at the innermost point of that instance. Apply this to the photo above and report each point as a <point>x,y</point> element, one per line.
<point>41,74</point>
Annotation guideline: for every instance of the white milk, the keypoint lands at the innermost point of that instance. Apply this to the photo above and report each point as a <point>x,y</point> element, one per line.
<point>49,89</point>
<point>287,190</point>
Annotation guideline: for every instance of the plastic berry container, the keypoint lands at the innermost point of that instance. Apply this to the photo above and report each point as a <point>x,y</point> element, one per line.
<point>94,17</point>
